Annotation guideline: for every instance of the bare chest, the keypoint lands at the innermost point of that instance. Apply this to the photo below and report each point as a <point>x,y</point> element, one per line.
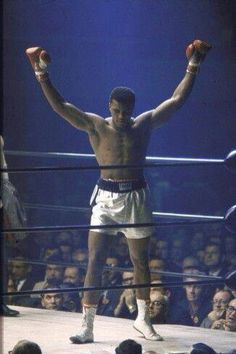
<point>120,147</point>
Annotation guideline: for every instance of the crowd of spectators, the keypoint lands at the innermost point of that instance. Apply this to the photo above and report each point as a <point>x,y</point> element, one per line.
<point>58,264</point>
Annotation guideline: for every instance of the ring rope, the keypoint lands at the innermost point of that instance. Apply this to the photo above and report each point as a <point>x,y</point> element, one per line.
<point>115,269</point>
<point>100,227</point>
<point>229,162</point>
<point>78,155</point>
<point>117,287</point>
<point>99,167</point>
<point>55,207</point>
<point>154,213</point>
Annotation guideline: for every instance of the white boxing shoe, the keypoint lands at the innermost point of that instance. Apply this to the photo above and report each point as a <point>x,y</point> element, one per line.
<point>86,336</point>
<point>86,333</point>
<point>147,330</point>
<point>143,324</point>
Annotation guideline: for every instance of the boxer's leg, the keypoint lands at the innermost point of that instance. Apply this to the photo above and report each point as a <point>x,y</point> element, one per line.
<point>98,245</point>
<point>138,249</point>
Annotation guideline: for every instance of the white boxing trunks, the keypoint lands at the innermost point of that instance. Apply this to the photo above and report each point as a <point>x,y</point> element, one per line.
<point>128,202</point>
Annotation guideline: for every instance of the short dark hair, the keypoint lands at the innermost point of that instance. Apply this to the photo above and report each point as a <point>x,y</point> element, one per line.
<point>202,348</point>
<point>26,347</point>
<point>123,95</point>
<point>129,346</point>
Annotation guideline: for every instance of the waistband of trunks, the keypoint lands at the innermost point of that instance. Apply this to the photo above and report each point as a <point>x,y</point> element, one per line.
<point>121,186</point>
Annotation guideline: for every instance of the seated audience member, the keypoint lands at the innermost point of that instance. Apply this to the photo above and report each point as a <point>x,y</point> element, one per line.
<point>161,251</point>
<point>52,301</point>
<point>220,303</point>
<point>43,241</point>
<point>26,347</point>
<point>214,263</point>
<point>71,300</point>
<point>189,263</point>
<point>21,273</point>
<point>159,288</point>
<point>73,275</point>
<point>177,253</point>
<point>120,249</point>
<point>64,237</point>
<point>80,256</point>
<point>51,251</point>
<point>158,308</point>
<point>193,307</point>
<point>65,247</point>
<point>53,275</point>
<point>156,265</point>
<point>22,279</point>
<point>126,306</point>
<point>202,348</point>
<point>79,239</point>
<point>229,323</point>
<point>109,276</point>
<point>109,298</point>
<point>128,346</point>
<point>214,260</point>
<point>197,242</point>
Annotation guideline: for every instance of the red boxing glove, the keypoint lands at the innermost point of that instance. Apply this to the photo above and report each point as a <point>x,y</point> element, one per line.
<point>39,60</point>
<point>196,53</point>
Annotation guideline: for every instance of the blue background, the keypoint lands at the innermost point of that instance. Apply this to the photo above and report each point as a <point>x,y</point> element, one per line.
<point>97,45</point>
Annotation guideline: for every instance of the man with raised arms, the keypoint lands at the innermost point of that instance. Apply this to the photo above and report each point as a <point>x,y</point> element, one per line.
<point>121,195</point>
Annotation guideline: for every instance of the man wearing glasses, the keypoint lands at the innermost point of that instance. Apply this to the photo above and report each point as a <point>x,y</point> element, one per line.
<point>229,323</point>
<point>219,305</point>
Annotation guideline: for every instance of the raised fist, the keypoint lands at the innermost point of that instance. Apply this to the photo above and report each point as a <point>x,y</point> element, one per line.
<point>196,53</point>
<point>39,60</point>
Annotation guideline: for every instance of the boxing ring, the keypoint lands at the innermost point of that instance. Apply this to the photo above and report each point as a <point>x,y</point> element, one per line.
<point>52,329</point>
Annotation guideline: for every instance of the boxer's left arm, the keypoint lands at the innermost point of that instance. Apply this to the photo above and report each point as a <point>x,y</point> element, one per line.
<point>195,53</point>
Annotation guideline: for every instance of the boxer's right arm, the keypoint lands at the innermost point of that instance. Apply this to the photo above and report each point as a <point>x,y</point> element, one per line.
<point>39,60</point>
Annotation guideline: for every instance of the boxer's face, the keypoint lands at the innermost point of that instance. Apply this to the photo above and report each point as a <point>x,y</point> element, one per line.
<point>121,114</point>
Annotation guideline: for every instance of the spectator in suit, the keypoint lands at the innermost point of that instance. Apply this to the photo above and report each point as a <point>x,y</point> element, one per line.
<point>220,302</point>
<point>158,308</point>
<point>53,300</point>
<point>156,265</point>
<point>109,298</point>
<point>193,307</point>
<point>54,274</point>
<point>229,323</point>
<point>215,264</point>
<point>23,280</point>
<point>126,306</point>
<point>214,259</point>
